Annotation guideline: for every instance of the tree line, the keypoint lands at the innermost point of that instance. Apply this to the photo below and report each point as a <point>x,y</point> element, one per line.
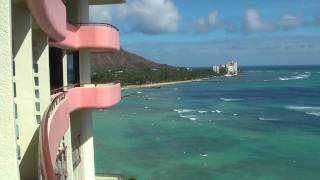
<point>149,75</point>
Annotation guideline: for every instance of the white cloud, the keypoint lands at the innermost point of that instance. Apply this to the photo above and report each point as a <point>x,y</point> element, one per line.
<point>253,23</point>
<point>145,16</point>
<point>208,23</point>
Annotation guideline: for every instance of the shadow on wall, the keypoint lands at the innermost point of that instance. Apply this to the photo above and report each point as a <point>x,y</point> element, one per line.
<point>21,25</point>
<point>29,163</point>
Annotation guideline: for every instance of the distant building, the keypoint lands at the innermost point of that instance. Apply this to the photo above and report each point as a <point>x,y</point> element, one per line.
<point>231,68</point>
<point>216,69</point>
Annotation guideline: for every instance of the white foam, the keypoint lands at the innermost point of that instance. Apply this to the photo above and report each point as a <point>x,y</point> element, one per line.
<point>204,155</point>
<point>218,111</point>
<point>235,114</point>
<point>213,111</point>
<point>201,112</point>
<point>190,117</point>
<point>300,76</point>
<point>268,119</point>
<point>310,110</point>
<point>182,110</point>
<point>139,92</point>
<point>230,99</point>
<point>303,108</point>
<point>314,113</point>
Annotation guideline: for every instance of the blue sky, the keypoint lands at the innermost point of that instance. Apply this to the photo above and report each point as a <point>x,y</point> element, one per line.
<point>208,32</point>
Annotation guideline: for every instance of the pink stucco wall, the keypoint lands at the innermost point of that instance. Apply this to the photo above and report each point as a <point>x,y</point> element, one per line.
<point>50,16</point>
<point>93,37</point>
<point>75,99</point>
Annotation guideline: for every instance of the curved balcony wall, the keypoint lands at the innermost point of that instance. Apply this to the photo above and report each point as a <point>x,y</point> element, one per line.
<point>56,119</point>
<point>50,16</point>
<point>96,37</point>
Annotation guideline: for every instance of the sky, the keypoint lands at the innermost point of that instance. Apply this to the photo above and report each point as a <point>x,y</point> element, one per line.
<point>208,32</point>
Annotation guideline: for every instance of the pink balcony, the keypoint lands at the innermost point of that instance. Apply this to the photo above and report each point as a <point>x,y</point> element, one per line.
<point>56,119</point>
<point>50,16</point>
<point>95,37</point>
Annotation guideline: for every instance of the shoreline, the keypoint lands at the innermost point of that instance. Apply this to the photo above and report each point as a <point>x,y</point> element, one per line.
<point>155,85</point>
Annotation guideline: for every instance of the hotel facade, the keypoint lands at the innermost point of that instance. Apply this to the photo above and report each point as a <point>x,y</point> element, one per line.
<point>46,95</point>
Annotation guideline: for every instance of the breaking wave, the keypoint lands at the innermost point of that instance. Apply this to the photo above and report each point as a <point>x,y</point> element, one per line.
<point>230,99</point>
<point>314,113</point>
<point>310,110</point>
<point>190,117</point>
<point>216,111</point>
<point>268,119</point>
<point>300,76</point>
<point>182,110</point>
<point>304,108</point>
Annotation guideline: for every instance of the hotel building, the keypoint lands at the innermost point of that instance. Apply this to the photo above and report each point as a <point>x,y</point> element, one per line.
<point>46,95</point>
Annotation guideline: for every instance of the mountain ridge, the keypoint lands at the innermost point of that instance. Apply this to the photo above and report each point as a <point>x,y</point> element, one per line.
<point>123,59</point>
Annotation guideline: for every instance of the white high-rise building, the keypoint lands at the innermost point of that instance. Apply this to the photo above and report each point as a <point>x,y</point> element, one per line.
<point>231,68</point>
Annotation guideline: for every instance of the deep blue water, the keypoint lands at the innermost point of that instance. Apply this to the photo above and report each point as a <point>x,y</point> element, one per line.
<point>262,124</point>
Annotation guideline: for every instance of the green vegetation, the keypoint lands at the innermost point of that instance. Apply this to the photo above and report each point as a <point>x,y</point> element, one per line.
<point>149,75</point>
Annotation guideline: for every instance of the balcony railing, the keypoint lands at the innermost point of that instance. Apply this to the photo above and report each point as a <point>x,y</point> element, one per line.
<point>70,86</point>
<point>96,37</point>
<point>47,169</point>
<point>94,24</point>
<point>55,121</point>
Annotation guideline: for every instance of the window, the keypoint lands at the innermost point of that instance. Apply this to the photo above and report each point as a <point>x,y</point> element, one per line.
<point>73,67</point>
<point>38,117</point>
<point>15,111</point>
<point>36,81</point>
<point>56,67</point>
<point>37,93</point>
<point>35,68</point>
<point>38,106</point>
<point>13,68</point>
<point>14,90</point>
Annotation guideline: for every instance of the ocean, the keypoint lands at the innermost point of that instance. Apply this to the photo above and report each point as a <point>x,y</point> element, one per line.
<point>263,124</point>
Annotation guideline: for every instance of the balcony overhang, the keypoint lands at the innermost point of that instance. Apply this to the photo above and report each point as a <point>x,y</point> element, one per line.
<point>50,16</point>
<point>92,36</point>
<point>100,2</point>
<point>56,119</point>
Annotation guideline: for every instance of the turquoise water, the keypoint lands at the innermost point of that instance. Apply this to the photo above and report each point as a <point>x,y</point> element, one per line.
<point>263,124</point>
